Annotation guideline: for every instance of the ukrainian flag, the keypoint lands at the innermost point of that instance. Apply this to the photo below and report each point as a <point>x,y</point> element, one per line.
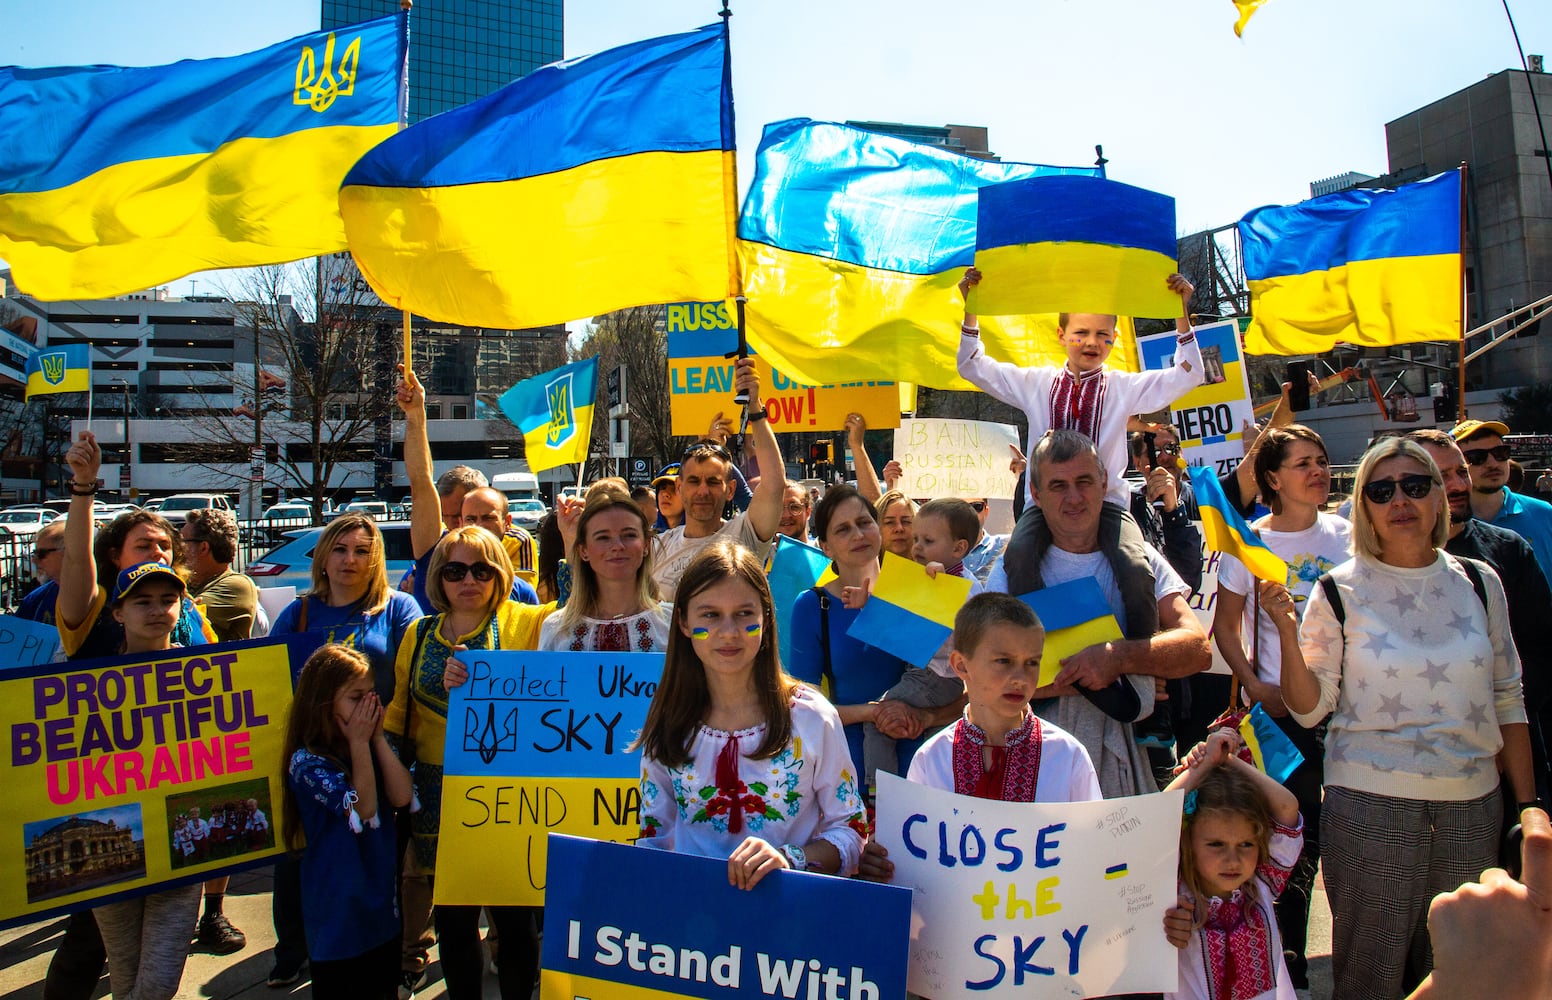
<point>589,185</point>
<point>555,413</point>
<point>1076,615</point>
<point>59,369</point>
<point>1270,748</point>
<point>1074,244</point>
<point>793,568</point>
<point>120,178</point>
<point>909,614</point>
<point>1227,531</point>
<point>1370,268</point>
<point>852,243</point>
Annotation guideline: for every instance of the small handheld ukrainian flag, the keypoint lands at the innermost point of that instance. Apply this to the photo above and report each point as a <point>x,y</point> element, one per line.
<point>555,413</point>
<point>59,369</point>
<point>1227,531</point>
<point>1271,750</point>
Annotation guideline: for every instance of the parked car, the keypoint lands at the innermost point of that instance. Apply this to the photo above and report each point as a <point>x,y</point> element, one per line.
<point>283,517</point>
<point>176,507</point>
<point>26,521</point>
<point>153,504</point>
<point>290,564</point>
<point>527,514</point>
<point>377,510</point>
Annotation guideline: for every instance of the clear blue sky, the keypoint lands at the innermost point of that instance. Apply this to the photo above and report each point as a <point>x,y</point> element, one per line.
<point>1180,104</point>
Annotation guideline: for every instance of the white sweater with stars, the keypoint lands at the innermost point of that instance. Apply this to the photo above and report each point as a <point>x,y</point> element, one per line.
<point>1426,679</point>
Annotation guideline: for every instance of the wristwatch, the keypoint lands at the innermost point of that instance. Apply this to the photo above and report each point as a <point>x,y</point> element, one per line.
<point>797,858</point>
<point>755,416</point>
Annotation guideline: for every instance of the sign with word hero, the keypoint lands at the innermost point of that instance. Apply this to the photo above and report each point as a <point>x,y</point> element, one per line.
<point>1034,899</point>
<point>1209,418</point>
<point>947,457</point>
<point>537,742</point>
<point>702,340</point>
<point>127,773</point>
<point>682,931</point>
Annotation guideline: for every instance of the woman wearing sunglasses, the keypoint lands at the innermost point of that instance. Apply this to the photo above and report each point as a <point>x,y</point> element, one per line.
<point>469,583</point>
<point>1408,650</point>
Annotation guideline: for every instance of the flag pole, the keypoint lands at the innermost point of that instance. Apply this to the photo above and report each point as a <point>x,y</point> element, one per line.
<point>404,108</point>
<point>726,13</point>
<point>1460,406</point>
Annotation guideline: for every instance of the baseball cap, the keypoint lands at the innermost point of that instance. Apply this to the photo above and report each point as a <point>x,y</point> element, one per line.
<point>139,574</point>
<point>668,474</point>
<point>1466,428</point>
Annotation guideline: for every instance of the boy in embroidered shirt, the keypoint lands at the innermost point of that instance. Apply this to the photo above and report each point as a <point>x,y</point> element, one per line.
<point>945,530</point>
<point>1082,395</point>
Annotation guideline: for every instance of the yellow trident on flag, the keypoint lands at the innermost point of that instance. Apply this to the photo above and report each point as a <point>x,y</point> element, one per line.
<point>53,366</point>
<point>317,88</point>
<point>563,422</point>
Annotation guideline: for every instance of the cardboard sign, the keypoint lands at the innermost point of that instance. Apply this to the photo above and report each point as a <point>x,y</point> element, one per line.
<point>26,643</point>
<point>126,774</point>
<point>1208,418</point>
<point>537,742</point>
<point>956,458</point>
<point>680,930</point>
<point>702,339</point>
<point>1034,899</point>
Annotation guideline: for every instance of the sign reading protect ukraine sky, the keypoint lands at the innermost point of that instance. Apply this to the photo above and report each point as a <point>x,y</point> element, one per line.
<point>1033,899</point>
<point>1208,418</point>
<point>537,743</point>
<point>702,339</point>
<point>681,931</point>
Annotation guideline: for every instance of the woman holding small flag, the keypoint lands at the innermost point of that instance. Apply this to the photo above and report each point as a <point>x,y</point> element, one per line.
<point>1293,473</point>
<point>1408,650</point>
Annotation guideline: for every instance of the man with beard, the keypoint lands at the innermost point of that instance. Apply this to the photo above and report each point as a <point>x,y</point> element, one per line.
<point>1525,587</point>
<point>1482,442</point>
<point>795,508</point>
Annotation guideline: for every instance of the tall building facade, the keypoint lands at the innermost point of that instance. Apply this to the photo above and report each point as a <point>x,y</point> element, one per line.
<point>461,50</point>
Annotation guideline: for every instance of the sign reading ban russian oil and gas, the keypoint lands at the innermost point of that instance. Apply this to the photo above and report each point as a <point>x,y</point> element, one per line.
<point>682,931</point>
<point>537,743</point>
<point>127,773</point>
<point>702,339</point>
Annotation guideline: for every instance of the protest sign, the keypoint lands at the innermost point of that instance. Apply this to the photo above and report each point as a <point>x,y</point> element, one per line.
<point>1204,604</point>
<point>275,599</point>
<point>682,931</point>
<point>1058,899</point>
<point>702,339</point>
<point>26,643</point>
<point>1208,419</point>
<point>945,457</point>
<point>537,742</point>
<point>128,773</point>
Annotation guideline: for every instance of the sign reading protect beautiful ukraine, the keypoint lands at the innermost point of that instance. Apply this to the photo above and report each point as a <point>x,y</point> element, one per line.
<point>127,773</point>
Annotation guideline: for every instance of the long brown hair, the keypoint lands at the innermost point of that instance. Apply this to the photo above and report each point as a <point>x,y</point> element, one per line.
<point>1225,792</point>
<point>110,541</point>
<point>310,723</point>
<point>683,698</point>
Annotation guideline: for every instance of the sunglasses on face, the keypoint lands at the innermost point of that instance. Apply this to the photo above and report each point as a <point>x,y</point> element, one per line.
<point>1415,486</point>
<point>977,505</point>
<point>703,448</point>
<point>39,554</point>
<point>1476,456</point>
<point>454,571</point>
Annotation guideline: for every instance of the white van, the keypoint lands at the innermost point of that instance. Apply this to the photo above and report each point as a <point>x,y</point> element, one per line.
<point>516,485</point>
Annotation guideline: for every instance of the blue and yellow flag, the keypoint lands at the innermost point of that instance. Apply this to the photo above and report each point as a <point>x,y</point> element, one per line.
<point>589,185</point>
<point>793,568</point>
<point>909,614</point>
<point>1370,268</point>
<point>554,411</point>
<point>852,243</point>
<point>1074,244</point>
<point>1270,748</point>
<point>1245,8</point>
<point>1226,530</point>
<point>1076,616</point>
<point>120,178</point>
<point>59,369</point>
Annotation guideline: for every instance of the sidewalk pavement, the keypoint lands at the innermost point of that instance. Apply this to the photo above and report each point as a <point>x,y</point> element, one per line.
<point>25,953</point>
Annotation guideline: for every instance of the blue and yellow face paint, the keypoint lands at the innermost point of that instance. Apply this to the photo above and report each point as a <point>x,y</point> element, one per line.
<point>700,633</point>
<point>754,630</point>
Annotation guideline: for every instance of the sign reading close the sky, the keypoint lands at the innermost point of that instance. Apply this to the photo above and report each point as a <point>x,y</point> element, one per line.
<point>1034,899</point>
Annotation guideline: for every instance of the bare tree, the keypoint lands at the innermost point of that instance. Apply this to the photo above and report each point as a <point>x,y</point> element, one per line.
<point>636,339</point>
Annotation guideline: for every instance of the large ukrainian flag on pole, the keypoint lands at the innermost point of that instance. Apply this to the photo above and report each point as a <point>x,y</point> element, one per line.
<point>589,185</point>
<point>554,412</point>
<point>1370,268</point>
<point>852,244</point>
<point>114,179</point>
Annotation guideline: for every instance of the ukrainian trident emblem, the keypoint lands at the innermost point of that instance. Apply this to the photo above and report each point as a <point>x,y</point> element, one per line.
<point>53,367</point>
<point>563,418</point>
<point>316,86</point>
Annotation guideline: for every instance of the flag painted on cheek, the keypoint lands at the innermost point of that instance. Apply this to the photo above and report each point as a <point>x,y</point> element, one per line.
<point>1076,616</point>
<point>1074,244</point>
<point>909,614</point>
<point>554,411</point>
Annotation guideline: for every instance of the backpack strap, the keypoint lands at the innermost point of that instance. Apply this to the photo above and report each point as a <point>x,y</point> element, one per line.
<point>1333,597</point>
<point>301,618</point>
<point>824,638</point>
<point>1475,574</point>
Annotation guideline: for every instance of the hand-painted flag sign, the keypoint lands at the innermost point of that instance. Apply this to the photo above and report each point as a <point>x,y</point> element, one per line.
<point>680,930</point>
<point>909,614</point>
<point>1074,244</point>
<point>1076,616</point>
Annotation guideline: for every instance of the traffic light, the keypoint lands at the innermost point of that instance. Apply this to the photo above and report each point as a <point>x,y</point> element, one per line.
<point>821,452</point>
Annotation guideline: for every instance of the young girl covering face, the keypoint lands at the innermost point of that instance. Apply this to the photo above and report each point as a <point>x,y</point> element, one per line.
<point>738,759</point>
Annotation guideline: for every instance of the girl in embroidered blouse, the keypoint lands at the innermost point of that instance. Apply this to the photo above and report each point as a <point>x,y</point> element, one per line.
<point>614,603</point>
<point>738,759</point>
<point>1239,841</point>
<point>338,762</point>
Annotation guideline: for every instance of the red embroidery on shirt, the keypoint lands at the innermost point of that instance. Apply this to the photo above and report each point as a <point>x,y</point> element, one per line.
<point>1021,760</point>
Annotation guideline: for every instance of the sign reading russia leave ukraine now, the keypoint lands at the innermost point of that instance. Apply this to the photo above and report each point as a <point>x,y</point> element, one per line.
<point>702,340</point>
<point>127,774</point>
